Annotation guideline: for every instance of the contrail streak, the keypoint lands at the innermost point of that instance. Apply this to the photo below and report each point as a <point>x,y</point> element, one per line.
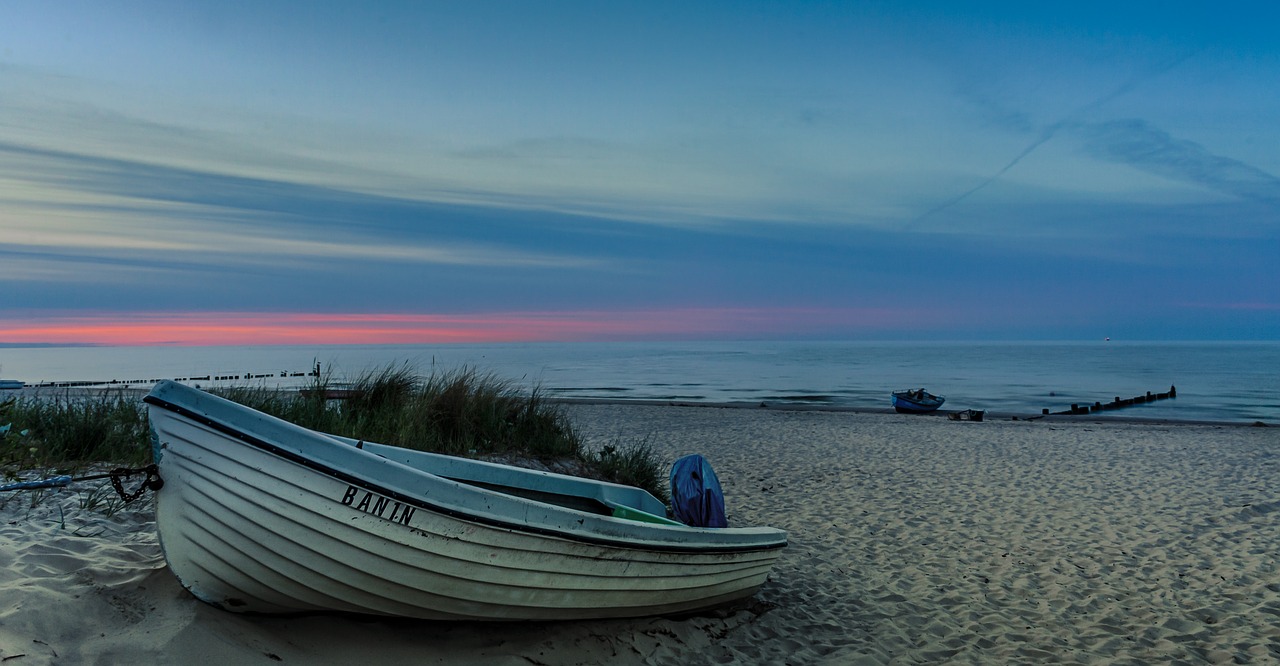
<point>1049,132</point>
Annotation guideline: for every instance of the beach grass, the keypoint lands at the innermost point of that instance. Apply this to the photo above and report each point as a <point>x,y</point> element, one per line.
<point>634,464</point>
<point>460,412</point>
<point>71,432</point>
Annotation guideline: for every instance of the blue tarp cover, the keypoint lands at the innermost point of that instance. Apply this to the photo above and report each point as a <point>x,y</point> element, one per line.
<point>696,498</point>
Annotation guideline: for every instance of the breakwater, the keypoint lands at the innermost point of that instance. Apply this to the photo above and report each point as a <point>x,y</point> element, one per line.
<point>1118,403</point>
<point>207,377</point>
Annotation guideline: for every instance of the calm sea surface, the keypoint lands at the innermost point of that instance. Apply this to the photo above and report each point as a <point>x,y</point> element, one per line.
<point>1219,381</point>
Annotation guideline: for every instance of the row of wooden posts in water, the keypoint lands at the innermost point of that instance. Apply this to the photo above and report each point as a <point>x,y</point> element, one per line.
<point>126,383</point>
<point>1118,403</point>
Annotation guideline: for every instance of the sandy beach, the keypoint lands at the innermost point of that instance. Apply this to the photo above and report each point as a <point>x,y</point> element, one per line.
<point>913,540</point>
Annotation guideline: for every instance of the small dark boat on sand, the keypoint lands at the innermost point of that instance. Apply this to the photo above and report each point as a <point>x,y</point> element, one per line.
<point>966,415</point>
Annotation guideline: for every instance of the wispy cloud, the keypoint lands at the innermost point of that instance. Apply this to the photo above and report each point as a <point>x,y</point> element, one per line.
<point>1247,307</point>
<point>1139,144</point>
<point>113,205</point>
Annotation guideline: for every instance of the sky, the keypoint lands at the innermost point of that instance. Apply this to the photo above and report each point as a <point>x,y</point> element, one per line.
<point>278,172</point>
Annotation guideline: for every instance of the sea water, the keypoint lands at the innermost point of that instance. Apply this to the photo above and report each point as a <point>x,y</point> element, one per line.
<point>1216,381</point>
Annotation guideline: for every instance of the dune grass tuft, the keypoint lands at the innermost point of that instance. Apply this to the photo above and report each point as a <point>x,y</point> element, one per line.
<point>70,432</point>
<point>633,464</point>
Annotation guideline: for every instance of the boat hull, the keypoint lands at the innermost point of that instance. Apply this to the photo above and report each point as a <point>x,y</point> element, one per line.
<point>905,403</point>
<point>250,526</point>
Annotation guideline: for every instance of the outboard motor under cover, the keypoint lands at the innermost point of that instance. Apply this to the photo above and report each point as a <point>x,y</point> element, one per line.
<point>696,497</point>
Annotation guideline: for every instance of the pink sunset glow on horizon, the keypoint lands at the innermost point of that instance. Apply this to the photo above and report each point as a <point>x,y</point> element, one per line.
<point>245,328</point>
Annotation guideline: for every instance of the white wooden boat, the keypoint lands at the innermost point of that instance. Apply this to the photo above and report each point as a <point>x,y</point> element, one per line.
<point>260,515</point>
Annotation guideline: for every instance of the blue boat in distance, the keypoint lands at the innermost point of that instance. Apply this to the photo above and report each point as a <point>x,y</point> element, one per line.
<point>916,401</point>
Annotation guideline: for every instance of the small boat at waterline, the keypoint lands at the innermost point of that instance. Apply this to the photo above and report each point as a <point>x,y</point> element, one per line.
<point>967,415</point>
<point>260,515</point>
<point>916,401</point>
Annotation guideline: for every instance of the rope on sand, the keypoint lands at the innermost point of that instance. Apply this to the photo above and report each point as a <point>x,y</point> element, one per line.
<point>152,481</point>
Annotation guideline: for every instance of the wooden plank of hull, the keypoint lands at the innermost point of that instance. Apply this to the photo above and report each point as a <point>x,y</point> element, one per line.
<point>250,531</point>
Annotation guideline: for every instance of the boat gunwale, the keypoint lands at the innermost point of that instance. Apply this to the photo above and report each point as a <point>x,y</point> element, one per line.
<point>418,502</point>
